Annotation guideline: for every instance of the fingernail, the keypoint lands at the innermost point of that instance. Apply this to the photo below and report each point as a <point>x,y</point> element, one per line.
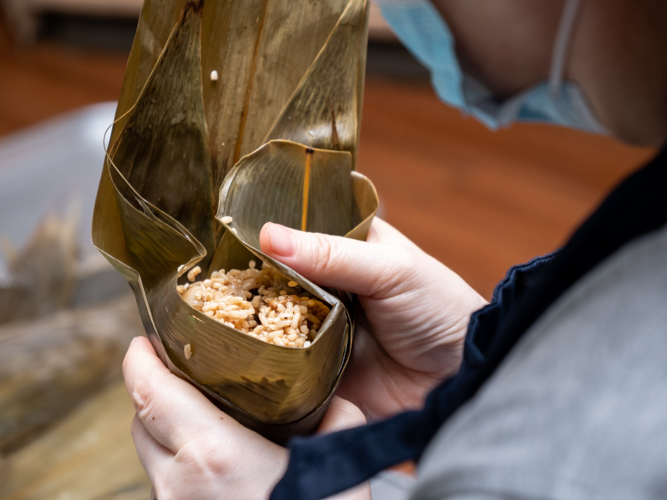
<point>134,340</point>
<point>282,240</point>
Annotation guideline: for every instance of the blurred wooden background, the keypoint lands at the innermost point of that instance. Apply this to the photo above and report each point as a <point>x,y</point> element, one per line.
<point>479,201</point>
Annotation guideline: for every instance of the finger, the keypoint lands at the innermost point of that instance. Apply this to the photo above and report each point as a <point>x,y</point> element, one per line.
<point>361,492</point>
<point>341,415</point>
<point>367,269</point>
<point>170,408</point>
<point>344,415</point>
<point>152,455</point>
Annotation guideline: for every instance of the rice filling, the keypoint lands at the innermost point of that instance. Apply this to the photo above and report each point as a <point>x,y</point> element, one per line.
<point>260,303</point>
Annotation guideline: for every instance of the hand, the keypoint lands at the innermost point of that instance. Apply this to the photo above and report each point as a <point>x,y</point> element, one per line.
<point>416,311</point>
<point>191,450</point>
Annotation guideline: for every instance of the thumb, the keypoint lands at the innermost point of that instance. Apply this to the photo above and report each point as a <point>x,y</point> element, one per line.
<point>341,415</point>
<point>367,269</point>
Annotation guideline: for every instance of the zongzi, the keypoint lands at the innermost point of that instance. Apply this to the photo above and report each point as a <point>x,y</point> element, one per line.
<point>273,138</point>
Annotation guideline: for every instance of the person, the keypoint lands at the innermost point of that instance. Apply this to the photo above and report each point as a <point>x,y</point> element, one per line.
<point>557,389</point>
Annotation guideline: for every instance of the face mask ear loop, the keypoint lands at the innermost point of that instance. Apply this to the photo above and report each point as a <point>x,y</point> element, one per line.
<point>562,45</point>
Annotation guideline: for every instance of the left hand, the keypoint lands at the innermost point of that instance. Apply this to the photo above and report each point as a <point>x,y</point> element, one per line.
<point>192,450</point>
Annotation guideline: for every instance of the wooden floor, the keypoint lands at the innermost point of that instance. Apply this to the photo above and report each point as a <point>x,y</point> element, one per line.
<point>478,201</point>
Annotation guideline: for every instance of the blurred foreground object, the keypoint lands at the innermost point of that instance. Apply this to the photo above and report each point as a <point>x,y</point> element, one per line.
<point>50,366</point>
<point>41,278</point>
<point>68,321</point>
<point>89,455</point>
<point>48,275</point>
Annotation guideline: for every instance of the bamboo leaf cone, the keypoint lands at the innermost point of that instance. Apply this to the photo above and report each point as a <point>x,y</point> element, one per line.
<point>280,127</point>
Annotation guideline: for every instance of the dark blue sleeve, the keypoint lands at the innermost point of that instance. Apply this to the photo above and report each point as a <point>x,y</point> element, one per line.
<point>321,466</point>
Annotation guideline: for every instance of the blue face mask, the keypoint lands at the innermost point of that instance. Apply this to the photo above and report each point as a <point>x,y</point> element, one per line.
<point>422,30</point>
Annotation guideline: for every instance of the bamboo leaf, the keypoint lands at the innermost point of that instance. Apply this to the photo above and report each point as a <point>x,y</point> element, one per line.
<point>164,144</point>
<point>323,112</point>
<point>261,50</point>
<point>275,59</point>
<point>269,186</point>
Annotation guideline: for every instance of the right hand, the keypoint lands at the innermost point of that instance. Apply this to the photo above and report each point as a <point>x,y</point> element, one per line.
<point>416,311</point>
<point>192,450</point>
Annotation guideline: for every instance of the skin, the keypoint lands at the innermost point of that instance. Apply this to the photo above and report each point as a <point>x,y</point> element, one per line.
<point>617,55</point>
<point>415,311</point>
<point>191,450</point>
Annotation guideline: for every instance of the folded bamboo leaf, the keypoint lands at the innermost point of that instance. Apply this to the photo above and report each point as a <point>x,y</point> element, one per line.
<point>364,208</point>
<point>274,60</point>
<point>164,144</point>
<point>324,110</point>
<point>289,184</point>
<point>260,48</point>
